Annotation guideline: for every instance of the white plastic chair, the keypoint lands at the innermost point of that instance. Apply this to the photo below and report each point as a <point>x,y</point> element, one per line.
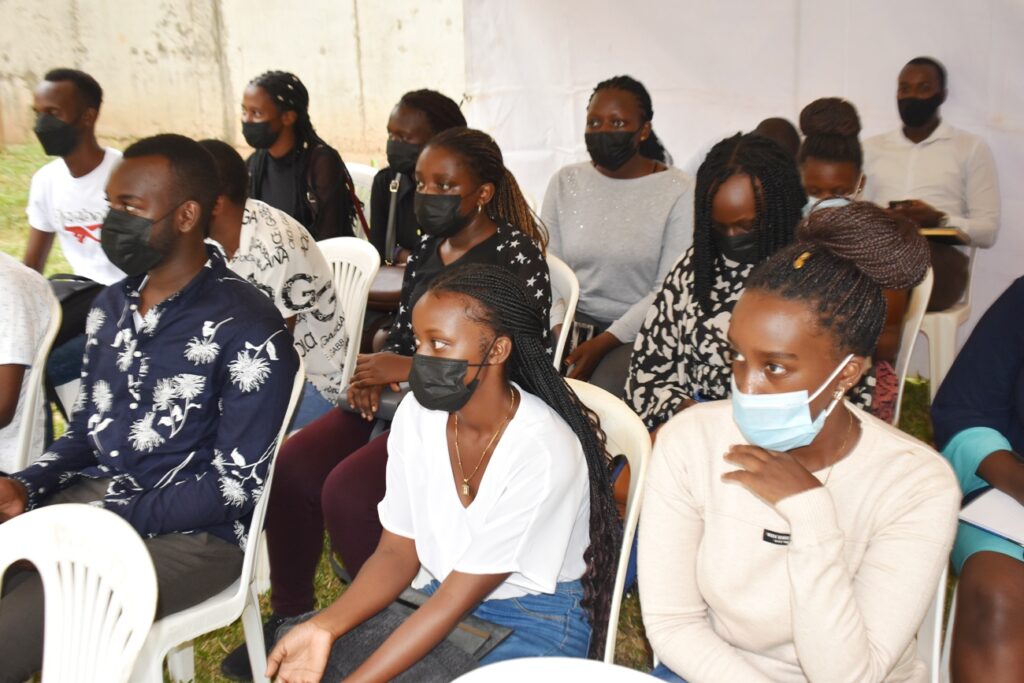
<point>565,295</point>
<point>929,635</point>
<point>355,263</point>
<point>362,179</point>
<point>171,637</point>
<point>99,586</point>
<point>916,306</point>
<point>626,434</point>
<point>940,327</point>
<point>945,673</point>
<point>547,669</point>
<point>34,390</point>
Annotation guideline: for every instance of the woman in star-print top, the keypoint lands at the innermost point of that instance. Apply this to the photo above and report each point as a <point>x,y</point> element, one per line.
<point>472,211</point>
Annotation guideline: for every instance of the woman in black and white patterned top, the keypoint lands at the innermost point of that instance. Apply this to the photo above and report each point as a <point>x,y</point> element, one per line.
<point>747,203</point>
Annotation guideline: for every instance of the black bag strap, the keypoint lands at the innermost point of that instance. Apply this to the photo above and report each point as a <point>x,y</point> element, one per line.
<point>389,240</point>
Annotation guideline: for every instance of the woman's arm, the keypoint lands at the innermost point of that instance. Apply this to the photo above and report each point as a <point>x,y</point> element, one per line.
<point>327,182</point>
<point>458,595</point>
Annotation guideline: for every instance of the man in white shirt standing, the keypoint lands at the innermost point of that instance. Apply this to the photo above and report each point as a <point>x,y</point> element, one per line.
<point>67,198</point>
<point>934,174</point>
<point>26,303</point>
<point>277,254</point>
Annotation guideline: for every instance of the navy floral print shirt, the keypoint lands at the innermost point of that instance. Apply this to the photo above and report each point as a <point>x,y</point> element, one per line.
<point>179,408</point>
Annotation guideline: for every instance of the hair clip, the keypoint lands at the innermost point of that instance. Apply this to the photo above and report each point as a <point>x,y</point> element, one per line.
<point>800,260</point>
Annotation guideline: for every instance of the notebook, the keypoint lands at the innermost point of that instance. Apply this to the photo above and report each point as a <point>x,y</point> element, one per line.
<point>998,513</point>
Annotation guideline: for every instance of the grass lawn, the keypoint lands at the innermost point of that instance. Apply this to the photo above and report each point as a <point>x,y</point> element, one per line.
<point>17,163</point>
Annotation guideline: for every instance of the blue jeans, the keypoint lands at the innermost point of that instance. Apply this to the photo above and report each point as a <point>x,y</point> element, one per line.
<point>542,625</point>
<point>663,673</point>
<point>312,405</point>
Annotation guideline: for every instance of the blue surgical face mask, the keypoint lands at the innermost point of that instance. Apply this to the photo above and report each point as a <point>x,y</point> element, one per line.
<point>815,203</point>
<point>781,422</point>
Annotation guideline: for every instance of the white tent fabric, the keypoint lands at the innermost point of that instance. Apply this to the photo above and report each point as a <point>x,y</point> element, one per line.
<point>717,67</point>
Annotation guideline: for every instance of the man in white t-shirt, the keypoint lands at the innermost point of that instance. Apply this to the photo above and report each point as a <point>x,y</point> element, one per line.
<point>935,175</point>
<point>67,195</point>
<point>26,304</point>
<point>277,254</point>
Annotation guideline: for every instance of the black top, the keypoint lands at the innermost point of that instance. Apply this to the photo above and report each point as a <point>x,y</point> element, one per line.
<point>308,185</point>
<point>407,230</point>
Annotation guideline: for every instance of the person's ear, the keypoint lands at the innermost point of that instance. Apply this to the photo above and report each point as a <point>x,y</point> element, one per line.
<point>187,216</point>
<point>486,194</point>
<point>645,131</point>
<point>88,119</point>
<point>289,118</point>
<point>851,373</point>
<point>945,94</point>
<point>500,351</point>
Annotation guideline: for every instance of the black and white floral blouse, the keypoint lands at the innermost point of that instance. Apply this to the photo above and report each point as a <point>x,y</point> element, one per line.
<point>682,350</point>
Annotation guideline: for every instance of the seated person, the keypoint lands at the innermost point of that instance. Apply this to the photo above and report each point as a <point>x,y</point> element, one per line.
<point>621,221</point>
<point>187,379</point>
<point>831,166</point>
<point>497,484</point>
<point>417,117</point>
<point>787,535</point>
<point>274,252</point>
<point>979,424</point>
<point>472,210</point>
<point>293,169</point>
<point>746,206</point>
<point>934,174</point>
<point>26,304</point>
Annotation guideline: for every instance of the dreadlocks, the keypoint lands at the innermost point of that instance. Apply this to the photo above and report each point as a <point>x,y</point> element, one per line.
<point>651,147</point>
<point>830,126</point>
<point>289,94</point>
<point>481,154</point>
<point>500,301</point>
<point>778,192</point>
<point>440,110</point>
<point>842,260</point>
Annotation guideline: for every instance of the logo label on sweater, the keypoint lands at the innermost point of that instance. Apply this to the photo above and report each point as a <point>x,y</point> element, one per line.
<point>776,537</point>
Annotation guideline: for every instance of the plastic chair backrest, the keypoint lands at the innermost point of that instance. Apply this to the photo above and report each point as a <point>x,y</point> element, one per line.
<point>34,390</point>
<point>916,307</point>
<point>929,635</point>
<point>626,434</point>
<point>354,263</point>
<point>565,295</point>
<point>362,179</point>
<point>99,586</point>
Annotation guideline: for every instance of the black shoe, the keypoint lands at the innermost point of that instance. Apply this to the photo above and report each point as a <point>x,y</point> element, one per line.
<point>236,665</point>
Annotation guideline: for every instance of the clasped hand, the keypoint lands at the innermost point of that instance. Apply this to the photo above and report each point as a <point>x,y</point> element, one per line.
<point>769,475</point>
<point>374,372</point>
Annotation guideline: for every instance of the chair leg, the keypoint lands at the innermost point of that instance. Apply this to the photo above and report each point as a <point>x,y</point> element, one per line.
<point>262,579</point>
<point>252,625</point>
<point>181,664</point>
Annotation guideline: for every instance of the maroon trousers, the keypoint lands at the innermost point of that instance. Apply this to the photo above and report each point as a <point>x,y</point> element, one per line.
<point>326,472</point>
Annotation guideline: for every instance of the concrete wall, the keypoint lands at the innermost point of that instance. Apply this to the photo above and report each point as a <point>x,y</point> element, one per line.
<point>181,65</point>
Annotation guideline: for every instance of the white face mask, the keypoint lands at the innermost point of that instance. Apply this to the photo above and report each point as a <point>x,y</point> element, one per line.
<point>815,203</point>
<point>781,422</point>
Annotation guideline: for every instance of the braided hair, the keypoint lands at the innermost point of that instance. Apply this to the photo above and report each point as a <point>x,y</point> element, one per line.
<point>651,147</point>
<point>289,94</point>
<point>778,193</point>
<point>500,300</point>
<point>481,154</point>
<point>440,110</point>
<point>830,126</point>
<point>843,258</point>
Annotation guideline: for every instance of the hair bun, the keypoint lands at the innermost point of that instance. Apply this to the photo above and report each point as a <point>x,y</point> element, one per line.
<point>830,116</point>
<point>884,246</point>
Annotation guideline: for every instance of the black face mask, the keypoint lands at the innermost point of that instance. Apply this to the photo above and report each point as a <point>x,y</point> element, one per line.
<point>125,240</point>
<point>440,383</point>
<point>258,134</point>
<point>57,137</point>
<point>742,248</point>
<point>917,112</point>
<point>402,156</point>
<point>611,150</point>
<point>438,214</point>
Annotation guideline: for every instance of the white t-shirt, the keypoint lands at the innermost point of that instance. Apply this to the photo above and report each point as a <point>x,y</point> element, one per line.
<point>25,305</point>
<point>74,208</point>
<point>530,517</point>
<point>281,258</point>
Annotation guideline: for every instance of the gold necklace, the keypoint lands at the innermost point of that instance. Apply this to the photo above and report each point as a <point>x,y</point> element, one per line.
<point>842,448</point>
<point>483,455</point>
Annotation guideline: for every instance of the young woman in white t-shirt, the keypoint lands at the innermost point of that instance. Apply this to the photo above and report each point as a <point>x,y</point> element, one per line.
<point>497,485</point>
<point>787,535</point>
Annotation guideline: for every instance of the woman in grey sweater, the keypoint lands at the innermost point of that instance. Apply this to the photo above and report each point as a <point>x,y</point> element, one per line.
<point>620,221</point>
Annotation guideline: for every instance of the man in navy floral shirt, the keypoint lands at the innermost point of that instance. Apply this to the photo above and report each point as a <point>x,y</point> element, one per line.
<point>187,374</point>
